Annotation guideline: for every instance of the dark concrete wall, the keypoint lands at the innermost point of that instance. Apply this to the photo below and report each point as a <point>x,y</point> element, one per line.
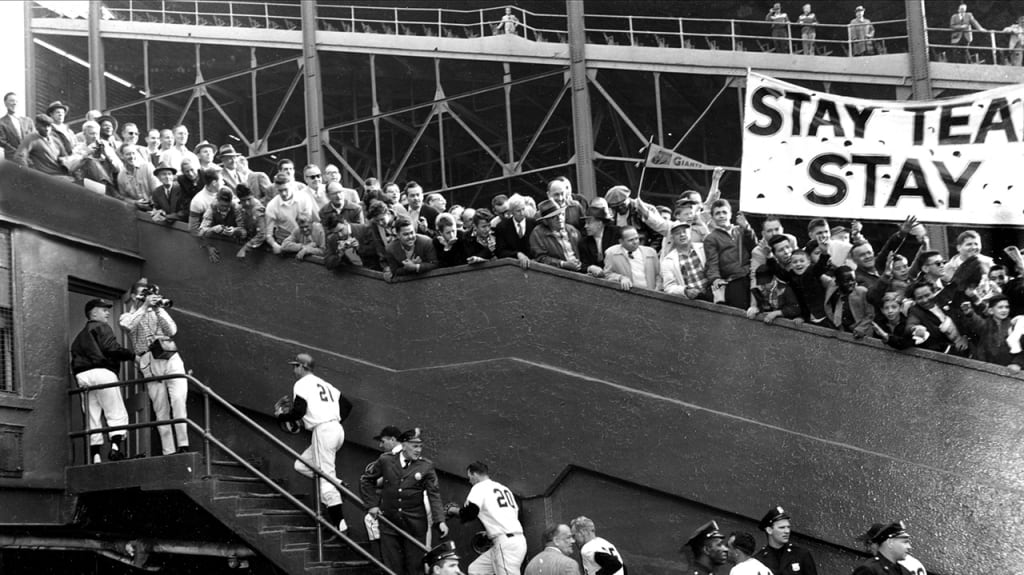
<point>60,233</point>
<point>539,370</point>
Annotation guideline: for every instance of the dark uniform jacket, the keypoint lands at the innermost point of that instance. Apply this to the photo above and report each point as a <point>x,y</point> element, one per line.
<point>96,347</point>
<point>786,560</point>
<point>879,565</point>
<point>401,496</point>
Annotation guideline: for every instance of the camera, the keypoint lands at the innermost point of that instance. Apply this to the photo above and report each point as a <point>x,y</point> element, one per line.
<point>155,290</point>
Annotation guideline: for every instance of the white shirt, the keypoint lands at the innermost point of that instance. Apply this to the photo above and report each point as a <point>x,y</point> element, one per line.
<point>750,566</point>
<point>499,512</point>
<point>913,565</point>
<point>598,545</point>
<point>321,400</point>
<point>636,266</point>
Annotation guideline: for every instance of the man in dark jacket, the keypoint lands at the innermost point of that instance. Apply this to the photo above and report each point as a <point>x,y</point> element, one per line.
<point>407,476</point>
<point>95,355</point>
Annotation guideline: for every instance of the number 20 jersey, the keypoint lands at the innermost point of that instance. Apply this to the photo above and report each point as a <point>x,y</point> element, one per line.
<point>499,512</point>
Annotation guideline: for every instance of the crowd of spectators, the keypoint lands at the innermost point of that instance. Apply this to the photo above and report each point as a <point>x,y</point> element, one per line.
<point>902,292</point>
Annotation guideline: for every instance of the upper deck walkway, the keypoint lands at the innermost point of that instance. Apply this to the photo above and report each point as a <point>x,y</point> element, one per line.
<point>642,43</point>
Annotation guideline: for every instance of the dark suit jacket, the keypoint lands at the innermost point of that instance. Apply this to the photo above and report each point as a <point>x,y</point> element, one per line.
<point>401,496</point>
<point>424,249</point>
<point>430,214</point>
<point>937,341</point>
<point>589,249</point>
<point>372,247</point>
<point>9,138</point>
<point>455,256</point>
<point>508,243</point>
<point>172,203</point>
<point>351,213</point>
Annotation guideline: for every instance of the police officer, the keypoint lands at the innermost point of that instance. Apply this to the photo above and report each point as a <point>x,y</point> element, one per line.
<point>442,560</point>
<point>779,555</point>
<point>707,544</point>
<point>893,543</point>
<point>407,476</point>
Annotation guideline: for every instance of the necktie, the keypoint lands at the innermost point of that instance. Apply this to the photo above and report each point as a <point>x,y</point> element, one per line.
<point>630,254</point>
<point>520,228</point>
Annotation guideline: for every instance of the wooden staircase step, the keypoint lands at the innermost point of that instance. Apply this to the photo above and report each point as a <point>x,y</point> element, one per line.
<point>227,485</point>
<point>256,501</point>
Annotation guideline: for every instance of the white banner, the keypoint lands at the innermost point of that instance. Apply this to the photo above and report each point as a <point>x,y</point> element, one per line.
<point>808,153</point>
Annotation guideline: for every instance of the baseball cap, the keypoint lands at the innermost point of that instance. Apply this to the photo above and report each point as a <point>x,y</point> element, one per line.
<point>305,360</point>
<point>95,303</point>
<point>389,431</point>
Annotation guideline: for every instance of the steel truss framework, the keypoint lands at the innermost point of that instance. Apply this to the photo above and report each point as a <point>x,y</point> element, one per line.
<point>456,126</point>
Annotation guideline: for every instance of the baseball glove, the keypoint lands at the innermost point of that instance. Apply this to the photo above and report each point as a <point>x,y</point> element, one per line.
<point>284,405</point>
<point>481,542</point>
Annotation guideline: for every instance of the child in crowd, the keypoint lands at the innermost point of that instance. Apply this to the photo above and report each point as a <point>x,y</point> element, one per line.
<point>891,327</point>
<point>989,335</point>
<point>805,281</point>
<point>772,297</point>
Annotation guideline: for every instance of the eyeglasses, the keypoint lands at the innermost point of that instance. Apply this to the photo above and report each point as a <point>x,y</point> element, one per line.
<point>131,133</point>
<point>312,176</point>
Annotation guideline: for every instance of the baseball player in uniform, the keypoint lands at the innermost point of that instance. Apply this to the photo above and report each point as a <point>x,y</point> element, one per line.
<point>316,403</point>
<point>599,556</point>
<point>498,511</point>
<point>95,355</point>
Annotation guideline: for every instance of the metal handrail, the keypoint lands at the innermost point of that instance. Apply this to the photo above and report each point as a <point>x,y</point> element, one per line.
<point>209,438</point>
<point>632,30</point>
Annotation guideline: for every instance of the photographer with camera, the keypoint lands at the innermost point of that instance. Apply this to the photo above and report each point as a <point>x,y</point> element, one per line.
<point>150,329</point>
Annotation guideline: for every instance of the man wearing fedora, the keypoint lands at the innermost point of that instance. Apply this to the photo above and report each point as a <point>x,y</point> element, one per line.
<point>600,235</point>
<point>235,172</point>
<point>13,128</point>
<point>168,202</point>
<point>205,151</point>
<point>553,242</point>
<point>407,477</point>
<point>64,135</point>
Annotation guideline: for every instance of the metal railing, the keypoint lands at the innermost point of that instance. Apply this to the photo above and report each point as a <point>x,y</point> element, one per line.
<point>628,30</point>
<point>210,441</point>
<point>990,47</point>
<point>615,30</point>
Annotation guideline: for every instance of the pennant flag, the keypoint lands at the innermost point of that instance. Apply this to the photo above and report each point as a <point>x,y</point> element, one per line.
<point>661,157</point>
